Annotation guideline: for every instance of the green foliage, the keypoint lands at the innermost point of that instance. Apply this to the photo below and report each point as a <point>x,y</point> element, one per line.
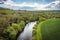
<point>12,31</point>
<point>36,32</point>
<point>3,24</point>
<point>1,38</point>
<point>42,19</point>
<point>12,21</point>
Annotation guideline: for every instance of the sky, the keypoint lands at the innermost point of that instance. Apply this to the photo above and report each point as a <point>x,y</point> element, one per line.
<point>31,4</point>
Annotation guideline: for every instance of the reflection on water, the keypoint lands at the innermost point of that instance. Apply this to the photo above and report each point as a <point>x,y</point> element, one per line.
<point>27,33</point>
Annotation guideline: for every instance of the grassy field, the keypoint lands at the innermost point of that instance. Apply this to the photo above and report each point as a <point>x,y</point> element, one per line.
<point>48,30</point>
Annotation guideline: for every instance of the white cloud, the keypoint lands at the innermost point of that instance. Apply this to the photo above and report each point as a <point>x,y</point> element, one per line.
<point>51,6</point>
<point>35,6</point>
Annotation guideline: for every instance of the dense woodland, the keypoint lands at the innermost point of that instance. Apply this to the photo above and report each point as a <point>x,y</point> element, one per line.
<point>12,21</point>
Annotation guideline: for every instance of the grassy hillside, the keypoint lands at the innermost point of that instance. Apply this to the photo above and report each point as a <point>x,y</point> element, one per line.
<point>47,30</point>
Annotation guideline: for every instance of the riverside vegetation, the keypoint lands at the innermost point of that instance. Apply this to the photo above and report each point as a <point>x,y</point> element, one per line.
<point>12,22</point>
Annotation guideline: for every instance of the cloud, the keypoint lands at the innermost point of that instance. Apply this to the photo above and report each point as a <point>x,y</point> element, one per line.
<point>32,6</point>
<point>53,4</point>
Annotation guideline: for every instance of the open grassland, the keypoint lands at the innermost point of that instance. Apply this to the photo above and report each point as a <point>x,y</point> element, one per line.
<point>47,30</point>
<point>50,29</point>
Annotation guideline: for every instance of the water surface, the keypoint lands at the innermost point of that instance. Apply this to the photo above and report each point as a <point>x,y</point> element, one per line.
<point>27,33</point>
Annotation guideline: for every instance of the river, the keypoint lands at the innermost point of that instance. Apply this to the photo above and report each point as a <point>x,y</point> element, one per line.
<point>27,33</point>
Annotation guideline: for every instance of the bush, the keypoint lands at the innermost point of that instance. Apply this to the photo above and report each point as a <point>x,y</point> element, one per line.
<point>12,31</point>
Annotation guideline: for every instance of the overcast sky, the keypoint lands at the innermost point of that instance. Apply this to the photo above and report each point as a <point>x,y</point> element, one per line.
<point>31,4</point>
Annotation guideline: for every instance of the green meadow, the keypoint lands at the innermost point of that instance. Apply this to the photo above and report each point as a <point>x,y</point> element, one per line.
<point>47,30</point>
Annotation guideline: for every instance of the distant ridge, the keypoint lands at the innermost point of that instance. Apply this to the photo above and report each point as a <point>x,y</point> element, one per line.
<point>31,10</point>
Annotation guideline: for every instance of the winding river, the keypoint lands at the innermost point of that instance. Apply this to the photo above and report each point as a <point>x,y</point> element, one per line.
<point>27,33</point>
